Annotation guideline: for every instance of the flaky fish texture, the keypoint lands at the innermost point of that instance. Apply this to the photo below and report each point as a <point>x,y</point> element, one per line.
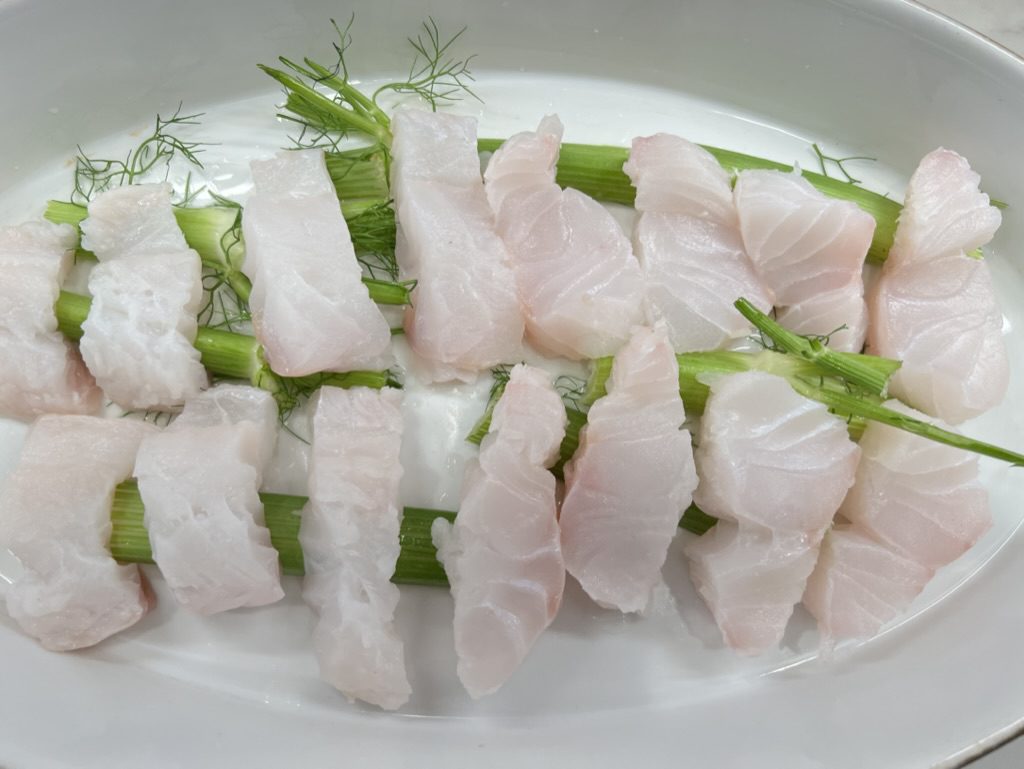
<point>41,372</point>
<point>55,519</point>
<point>310,308</point>
<point>503,555</point>
<point>349,536</point>
<point>935,307</point>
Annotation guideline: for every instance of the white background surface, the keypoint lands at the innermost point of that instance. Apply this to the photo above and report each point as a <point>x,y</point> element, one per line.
<point>1003,21</point>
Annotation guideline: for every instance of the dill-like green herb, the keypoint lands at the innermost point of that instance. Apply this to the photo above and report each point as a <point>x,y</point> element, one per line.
<point>435,75</point>
<point>839,163</point>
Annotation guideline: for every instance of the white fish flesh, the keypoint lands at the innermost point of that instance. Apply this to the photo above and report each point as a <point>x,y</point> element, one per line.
<point>55,518</point>
<point>349,536</point>
<point>805,245</point>
<point>42,372</point>
<point>465,314</point>
<point>310,308</point>
<point>774,467</point>
<point>199,481</point>
<point>920,498</point>
<point>502,555</point>
<point>578,281</point>
<point>688,242</point>
<point>631,479</point>
<point>860,584</point>
<point>935,307</point>
<point>138,338</point>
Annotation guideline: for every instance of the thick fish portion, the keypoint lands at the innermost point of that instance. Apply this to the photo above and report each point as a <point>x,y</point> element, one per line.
<point>805,245</point>
<point>55,518</point>
<point>842,312</point>
<point>920,498</point>
<point>578,281</point>
<point>138,338</point>
<point>934,307</point>
<point>349,537</point>
<point>465,314</point>
<point>631,479</point>
<point>688,242</point>
<point>859,584</point>
<point>774,467</point>
<point>502,555</point>
<point>41,372</point>
<point>310,308</point>
<point>199,480</point>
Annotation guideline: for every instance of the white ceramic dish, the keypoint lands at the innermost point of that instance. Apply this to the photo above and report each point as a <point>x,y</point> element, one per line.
<point>887,79</point>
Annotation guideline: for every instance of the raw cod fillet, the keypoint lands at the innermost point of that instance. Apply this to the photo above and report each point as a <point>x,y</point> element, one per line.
<point>465,314</point>
<point>934,307</point>
<point>578,281</point>
<point>349,536</point>
<point>310,308</point>
<point>688,241</point>
<point>807,248</point>
<point>41,372</point>
<point>55,518</point>
<point>502,555</point>
<point>199,480</point>
<point>138,338</point>
<point>631,478</point>
<point>774,468</point>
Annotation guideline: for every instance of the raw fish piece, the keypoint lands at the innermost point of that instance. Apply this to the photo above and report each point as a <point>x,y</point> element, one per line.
<point>310,308</point>
<point>502,555</point>
<point>465,314</point>
<point>631,479</point>
<point>688,242</point>
<point>805,245</point>
<point>922,499</point>
<point>138,338</point>
<point>934,307</point>
<point>842,311</point>
<point>578,281</point>
<point>199,480</point>
<point>349,537</point>
<point>55,518</point>
<point>859,585</point>
<point>41,372</point>
<point>750,578</point>
<point>774,468</point>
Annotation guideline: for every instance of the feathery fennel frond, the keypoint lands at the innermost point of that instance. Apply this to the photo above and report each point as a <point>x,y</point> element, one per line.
<point>436,74</point>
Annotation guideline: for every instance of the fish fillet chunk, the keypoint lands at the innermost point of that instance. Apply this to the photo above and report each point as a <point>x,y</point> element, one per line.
<point>934,307</point>
<point>310,308</point>
<point>860,584</point>
<point>465,314</point>
<point>806,247</point>
<point>42,372</point>
<point>578,281</point>
<point>138,338</point>
<point>55,518</point>
<point>774,468</point>
<point>631,479</point>
<point>920,498</point>
<point>199,480</point>
<point>502,555</point>
<point>349,536</point>
<point>688,242</point>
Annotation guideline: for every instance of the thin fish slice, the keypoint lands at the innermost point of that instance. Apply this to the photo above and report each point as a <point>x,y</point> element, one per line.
<point>842,313</point>
<point>631,479</point>
<point>55,518</point>
<point>199,480</point>
<point>578,281</point>
<point>859,585</point>
<point>138,338</point>
<point>502,555</point>
<point>934,307</point>
<point>465,314</point>
<point>41,371</point>
<point>688,242</point>
<point>349,537</point>
<point>310,308</point>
